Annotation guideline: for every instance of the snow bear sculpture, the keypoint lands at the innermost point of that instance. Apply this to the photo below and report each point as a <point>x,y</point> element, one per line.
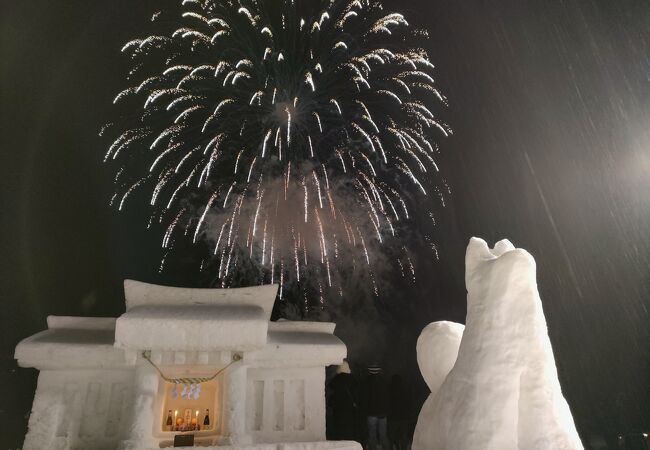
<point>501,391</point>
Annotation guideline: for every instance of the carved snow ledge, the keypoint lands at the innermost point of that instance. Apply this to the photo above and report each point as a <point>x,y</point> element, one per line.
<point>305,344</point>
<point>175,319</point>
<point>199,327</point>
<point>324,445</point>
<point>138,293</point>
<point>72,343</point>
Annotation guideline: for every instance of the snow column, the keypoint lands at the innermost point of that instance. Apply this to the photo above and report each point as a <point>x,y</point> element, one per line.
<point>46,421</point>
<point>140,433</point>
<point>234,407</point>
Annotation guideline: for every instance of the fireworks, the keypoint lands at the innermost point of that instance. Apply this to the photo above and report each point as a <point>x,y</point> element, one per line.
<point>295,134</point>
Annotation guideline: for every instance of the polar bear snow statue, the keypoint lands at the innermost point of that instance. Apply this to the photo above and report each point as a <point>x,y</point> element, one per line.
<point>493,383</point>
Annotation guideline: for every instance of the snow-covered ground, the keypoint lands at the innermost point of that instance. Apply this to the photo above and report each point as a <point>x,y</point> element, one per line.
<point>330,445</point>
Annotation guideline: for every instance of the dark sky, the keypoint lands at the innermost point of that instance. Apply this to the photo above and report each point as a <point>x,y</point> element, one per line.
<point>550,105</point>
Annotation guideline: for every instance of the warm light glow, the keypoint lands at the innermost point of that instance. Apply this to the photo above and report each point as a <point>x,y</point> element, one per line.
<point>188,410</point>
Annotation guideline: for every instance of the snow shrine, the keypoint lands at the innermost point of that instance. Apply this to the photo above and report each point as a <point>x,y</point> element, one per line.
<point>193,367</point>
<point>493,382</point>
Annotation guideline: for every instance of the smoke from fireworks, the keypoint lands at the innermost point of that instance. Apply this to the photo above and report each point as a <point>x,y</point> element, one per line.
<point>294,134</point>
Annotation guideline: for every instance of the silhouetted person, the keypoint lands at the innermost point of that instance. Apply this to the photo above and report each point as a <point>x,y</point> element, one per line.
<point>376,408</point>
<point>398,415</point>
<point>344,405</point>
<point>633,441</point>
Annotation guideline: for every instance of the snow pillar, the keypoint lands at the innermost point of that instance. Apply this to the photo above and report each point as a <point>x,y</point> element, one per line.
<point>234,407</point>
<point>45,430</point>
<point>317,413</point>
<point>140,431</point>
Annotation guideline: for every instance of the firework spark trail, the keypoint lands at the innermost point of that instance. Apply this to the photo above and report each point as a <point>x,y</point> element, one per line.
<point>222,100</point>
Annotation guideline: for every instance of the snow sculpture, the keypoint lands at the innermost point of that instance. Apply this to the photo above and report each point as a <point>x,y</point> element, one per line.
<point>201,362</point>
<point>502,391</point>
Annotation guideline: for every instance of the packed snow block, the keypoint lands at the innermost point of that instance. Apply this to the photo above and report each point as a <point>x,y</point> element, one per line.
<point>331,445</point>
<point>300,344</point>
<point>502,392</point>
<point>76,409</point>
<point>324,445</point>
<point>285,393</point>
<point>286,405</point>
<point>201,327</point>
<point>138,293</point>
<point>81,323</point>
<point>72,342</point>
<point>173,318</point>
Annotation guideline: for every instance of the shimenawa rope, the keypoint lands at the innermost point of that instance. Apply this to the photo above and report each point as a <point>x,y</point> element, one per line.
<point>236,357</point>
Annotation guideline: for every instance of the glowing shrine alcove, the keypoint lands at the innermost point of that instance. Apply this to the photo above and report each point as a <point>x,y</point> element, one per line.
<point>186,413</point>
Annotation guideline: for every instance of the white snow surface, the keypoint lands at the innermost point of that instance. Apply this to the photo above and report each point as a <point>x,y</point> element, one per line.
<point>199,327</point>
<point>72,343</point>
<point>173,318</point>
<point>437,350</point>
<point>502,392</point>
<point>324,445</point>
<point>443,340</point>
<point>138,293</point>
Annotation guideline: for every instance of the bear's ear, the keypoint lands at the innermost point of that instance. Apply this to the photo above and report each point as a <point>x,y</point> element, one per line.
<point>477,252</point>
<point>477,249</point>
<point>501,247</point>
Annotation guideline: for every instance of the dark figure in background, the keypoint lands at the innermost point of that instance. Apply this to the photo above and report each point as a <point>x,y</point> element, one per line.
<point>398,415</point>
<point>344,404</point>
<point>633,441</point>
<point>375,405</point>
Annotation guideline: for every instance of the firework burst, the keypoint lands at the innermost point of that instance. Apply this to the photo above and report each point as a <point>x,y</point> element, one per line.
<point>294,134</point>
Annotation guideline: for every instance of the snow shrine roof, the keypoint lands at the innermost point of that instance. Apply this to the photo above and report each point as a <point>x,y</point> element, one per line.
<point>138,293</point>
<point>303,343</point>
<point>171,319</point>
<point>74,342</point>
<point>196,327</point>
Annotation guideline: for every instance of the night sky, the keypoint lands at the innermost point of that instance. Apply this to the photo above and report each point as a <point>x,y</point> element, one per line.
<point>550,106</point>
